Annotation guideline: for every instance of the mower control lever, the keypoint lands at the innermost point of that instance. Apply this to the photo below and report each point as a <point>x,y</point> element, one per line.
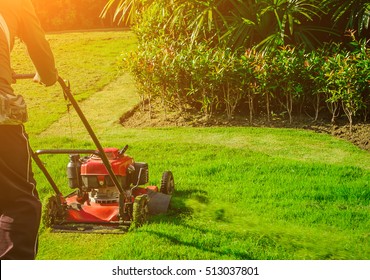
<point>123,150</point>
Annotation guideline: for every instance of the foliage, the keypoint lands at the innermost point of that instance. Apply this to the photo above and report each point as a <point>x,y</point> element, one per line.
<point>285,80</point>
<point>315,83</point>
<point>59,15</point>
<point>125,10</point>
<point>348,79</point>
<point>253,74</point>
<point>350,15</point>
<point>285,65</point>
<point>288,16</point>
<point>230,23</point>
<point>218,55</point>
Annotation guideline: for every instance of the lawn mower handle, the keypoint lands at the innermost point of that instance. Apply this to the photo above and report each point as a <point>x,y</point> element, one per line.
<point>69,96</point>
<point>23,76</point>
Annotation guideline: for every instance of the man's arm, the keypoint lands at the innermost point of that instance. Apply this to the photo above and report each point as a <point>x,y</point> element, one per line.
<point>38,47</point>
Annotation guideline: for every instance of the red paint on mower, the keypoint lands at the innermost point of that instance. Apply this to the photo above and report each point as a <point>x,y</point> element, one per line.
<point>95,174</point>
<point>91,212</point>
<point>97,213</point>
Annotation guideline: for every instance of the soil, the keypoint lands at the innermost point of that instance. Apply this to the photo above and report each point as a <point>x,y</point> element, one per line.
<point>140,116</point>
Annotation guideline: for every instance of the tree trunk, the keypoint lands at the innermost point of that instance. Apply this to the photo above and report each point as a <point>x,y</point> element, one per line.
<point>268,108</point>
<point>349,113</point>
<point>250,105</point>
<point>289,106</point>
<point>317,107</point>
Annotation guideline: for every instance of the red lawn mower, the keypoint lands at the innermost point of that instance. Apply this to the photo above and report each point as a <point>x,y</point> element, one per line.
<point>108,186</point>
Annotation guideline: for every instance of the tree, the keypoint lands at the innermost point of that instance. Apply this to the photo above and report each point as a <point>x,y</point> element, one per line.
<point>270,23</point>
<point>350,15</point>
<point>69,14</point>
<point>234,23</point>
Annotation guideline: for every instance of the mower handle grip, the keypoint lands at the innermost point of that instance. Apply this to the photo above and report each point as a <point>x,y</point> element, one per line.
<point>23,76</point>
<point>32,75</point>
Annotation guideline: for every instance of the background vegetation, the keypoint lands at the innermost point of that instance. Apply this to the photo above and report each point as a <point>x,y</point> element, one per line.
<point>256,57</point>
<point>60,15</point>
<point>241,193</point>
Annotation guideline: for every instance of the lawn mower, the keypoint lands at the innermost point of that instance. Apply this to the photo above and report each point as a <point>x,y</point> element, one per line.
<point>108,186</point>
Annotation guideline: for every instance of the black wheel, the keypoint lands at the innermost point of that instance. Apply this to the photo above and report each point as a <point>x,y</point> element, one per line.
<point>167,183</point>
<point>140,211</point>
<point>53,212</point>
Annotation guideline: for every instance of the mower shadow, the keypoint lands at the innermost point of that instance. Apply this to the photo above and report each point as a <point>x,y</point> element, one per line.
<point>201,245</point>
<point>179,209</point>
<point>179,214</point>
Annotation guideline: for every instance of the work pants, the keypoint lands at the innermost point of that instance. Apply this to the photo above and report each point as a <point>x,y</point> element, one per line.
<point>20,207</point>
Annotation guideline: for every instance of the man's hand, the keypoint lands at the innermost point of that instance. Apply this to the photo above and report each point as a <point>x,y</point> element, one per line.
<point>37,78</point>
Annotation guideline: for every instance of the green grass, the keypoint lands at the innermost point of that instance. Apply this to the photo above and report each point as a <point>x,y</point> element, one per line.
<point>89,61</point>
<point>235,202</point>
<point>241,193</point>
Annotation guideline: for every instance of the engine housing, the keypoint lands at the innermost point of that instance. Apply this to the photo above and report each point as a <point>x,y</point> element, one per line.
<point>95,175</point>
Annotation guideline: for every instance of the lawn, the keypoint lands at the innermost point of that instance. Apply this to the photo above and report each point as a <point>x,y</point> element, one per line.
<point>241,193</point>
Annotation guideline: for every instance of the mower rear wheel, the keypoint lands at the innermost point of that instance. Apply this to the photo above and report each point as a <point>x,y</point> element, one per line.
<point>167,183</point>
<point>140,211</point>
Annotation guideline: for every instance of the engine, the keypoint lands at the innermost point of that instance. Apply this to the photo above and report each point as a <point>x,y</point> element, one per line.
<point>90,175</point>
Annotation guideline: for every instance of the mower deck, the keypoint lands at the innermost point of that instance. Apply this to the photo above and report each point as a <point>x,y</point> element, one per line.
<point>91,212</point>
<point>93,217</point>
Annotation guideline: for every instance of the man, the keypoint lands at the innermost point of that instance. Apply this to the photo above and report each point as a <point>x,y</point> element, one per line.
<point>20,208</point>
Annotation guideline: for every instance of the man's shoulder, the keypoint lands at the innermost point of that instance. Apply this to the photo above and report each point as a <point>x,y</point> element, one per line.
<point>11,4</point>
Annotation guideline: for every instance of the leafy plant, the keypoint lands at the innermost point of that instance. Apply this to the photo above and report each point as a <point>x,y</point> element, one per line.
<point>346,81</point>
<point>217,55</point>
<point>254,76</point>
<point>350,14</point>
<point>285,64</point>
<point>68,14</point>
<point>316,86</point>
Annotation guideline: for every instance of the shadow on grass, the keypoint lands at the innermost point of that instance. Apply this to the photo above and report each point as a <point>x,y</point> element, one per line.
<point>211,240</point>
<point>200,244</point>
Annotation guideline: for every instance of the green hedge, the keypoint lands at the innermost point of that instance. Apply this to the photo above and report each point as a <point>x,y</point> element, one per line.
<point>330,81</point>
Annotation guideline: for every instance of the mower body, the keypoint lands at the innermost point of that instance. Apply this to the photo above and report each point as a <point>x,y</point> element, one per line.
<point>97,198</point>
<point>94,175</point>
<point>97,202</point>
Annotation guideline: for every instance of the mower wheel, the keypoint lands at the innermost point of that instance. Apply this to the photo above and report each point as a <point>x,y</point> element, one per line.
<point>140,211</point>
<point>167,183</point>
<point>52,212</point>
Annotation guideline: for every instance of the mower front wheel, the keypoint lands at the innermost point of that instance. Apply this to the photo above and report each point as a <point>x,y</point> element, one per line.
<point>53,212</point>
<point>167,183</point>
<point>140,211</point>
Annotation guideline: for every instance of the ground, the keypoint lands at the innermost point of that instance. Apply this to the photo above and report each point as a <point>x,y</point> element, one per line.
<point>140,116</point>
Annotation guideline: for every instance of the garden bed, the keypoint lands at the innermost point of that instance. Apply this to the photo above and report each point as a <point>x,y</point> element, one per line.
<point>140,116</point>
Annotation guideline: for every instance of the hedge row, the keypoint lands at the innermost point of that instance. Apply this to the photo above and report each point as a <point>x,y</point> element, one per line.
<point>286,81</point>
